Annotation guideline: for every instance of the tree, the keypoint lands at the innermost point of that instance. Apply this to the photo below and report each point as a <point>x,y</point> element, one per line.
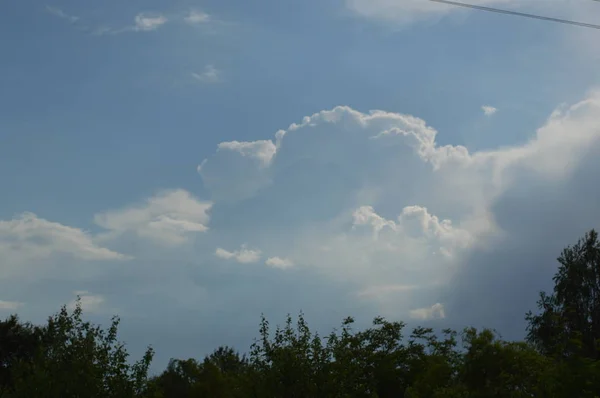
<point>18,343</point>
<point>569,322</point>
<point>290,364</point>
<point>78,359</point>
<point>222,374</point>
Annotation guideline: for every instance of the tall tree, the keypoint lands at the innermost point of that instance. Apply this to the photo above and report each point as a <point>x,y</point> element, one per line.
<point>569,322</point>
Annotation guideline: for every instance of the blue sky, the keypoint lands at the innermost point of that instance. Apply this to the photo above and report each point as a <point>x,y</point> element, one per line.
<point>142,166</point>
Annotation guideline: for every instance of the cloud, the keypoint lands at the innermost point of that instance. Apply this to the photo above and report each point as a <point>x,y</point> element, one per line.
<point>415,221</point>
<point>210,74</point>
<point>89,302</point>
<point>365,215</point>
<point>10,305</point>
<point>244,255</point>
<point>436,311</point>
<point>197,17</point>
<point>263,151</point>
<point>169,218</point>
<point>143,22</point>
<point>61,14</point>
<point>28,237</point>
<point>371,200</point>
<point>378,129</point>
<point>377,216</point>
<point>146,22</point>
<point>278,262</point>
<point>488,110</point>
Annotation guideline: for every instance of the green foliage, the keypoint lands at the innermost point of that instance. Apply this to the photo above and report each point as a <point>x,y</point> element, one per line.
<point>18,344</point>
<point>222,374</point>
<point>78,359</point>
<point>569,322</point>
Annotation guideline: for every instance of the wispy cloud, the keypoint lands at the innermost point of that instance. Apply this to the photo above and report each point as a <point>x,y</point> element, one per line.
<point>489,110</point>
<point>197,17</point>
<point>9,305</point>
<point>89,302</point>
<point>147,22</point>
<point>210,74</point>
<point>143,22</point>
<point>436,311</point>
<point>278,262</point>
<point>244,255</point>
<point>57,12</point>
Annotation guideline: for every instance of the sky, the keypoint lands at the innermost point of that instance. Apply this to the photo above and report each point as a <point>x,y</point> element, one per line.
<point>191,165</point>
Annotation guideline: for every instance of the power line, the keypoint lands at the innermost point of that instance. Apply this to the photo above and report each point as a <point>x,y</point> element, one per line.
<point>519,14</point>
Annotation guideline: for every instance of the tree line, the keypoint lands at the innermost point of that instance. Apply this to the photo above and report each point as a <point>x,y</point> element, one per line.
<point>70,358</point>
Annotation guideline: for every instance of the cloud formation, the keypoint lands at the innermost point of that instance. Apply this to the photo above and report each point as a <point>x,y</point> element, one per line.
<point>197,17</point>
<point>61,14</point>
<point>365,208</point>
<point>436,311</point>
<point>210,74</point>
<point>243,255</point>
<point>488,110</point>
<point>145,22</point>
<point>371,199</point>
<point>142,22</point>
<point>169,218</point>
<point>279,262</point>
<point>28,237</point>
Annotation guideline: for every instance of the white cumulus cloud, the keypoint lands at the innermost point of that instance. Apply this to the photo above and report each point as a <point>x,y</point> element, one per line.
<point>170,218</point>
<point>372,199</point>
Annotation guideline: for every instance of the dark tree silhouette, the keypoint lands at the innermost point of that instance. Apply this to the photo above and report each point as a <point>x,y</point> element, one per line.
<point>569,322</point>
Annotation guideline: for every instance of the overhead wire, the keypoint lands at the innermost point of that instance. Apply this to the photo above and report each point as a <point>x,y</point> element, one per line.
<point>519,14</point>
